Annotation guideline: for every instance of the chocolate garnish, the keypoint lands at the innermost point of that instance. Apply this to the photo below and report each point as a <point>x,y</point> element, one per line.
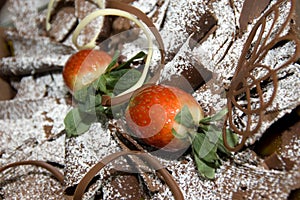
<point>63,22</point>
<point>193,76</point>
<point>297,19</point>
<point>101,26</point>
<point>251,10</point>
<point>82,185</point>
<point>247,84</point>
<point>202,27</point>
<point>33,56</point>
<point>108,101</point>
<point>53,170</point>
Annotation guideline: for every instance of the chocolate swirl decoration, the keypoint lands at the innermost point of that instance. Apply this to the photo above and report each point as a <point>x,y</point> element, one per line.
<point>108,101</point>
<point>113,4</point>
<point>84,182</point>
<point>251,73</point>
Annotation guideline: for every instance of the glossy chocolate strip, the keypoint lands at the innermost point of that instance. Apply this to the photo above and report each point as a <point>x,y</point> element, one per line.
<point>108,101</point>
<point>82,185</point>
<point>53,170</point>
<point>240,85</point>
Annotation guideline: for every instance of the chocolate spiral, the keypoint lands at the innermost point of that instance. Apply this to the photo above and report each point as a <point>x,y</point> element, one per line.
<point>245,82</point>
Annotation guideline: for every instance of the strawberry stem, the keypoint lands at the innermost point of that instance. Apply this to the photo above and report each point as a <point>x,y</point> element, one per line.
<point>207,143</point>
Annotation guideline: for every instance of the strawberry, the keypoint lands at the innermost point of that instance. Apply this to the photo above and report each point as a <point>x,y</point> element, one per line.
<point>84,67</point>
<point>151,116</point>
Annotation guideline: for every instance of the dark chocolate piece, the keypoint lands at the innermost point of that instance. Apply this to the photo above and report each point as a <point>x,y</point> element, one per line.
<point>251,10</point>
<point>62,23</point>
<point>202,28</point>
<point>193,76</point>
<point>32,56</point>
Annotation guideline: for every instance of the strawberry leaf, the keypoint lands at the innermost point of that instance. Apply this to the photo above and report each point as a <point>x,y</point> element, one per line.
<point>217,117</point>
<point>205,149</point>
<point>138,56</point>
<point>113,62</point>
<point>80,95</point>
<point>126,81</point>
<point>179,136</point>
<point>204,169</point>
<point>231,137</point>
<point>185,117</point>
<point>208,145</point>
<point>77,122</point>
<point>101,84</point>
<point>92,101</point>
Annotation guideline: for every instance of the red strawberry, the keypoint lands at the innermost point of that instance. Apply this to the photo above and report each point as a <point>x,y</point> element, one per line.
<point>151,115</point>
<point>84,67</point>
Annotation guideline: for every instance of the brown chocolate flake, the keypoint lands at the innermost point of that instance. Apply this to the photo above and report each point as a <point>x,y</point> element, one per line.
<point>297,19</point>
<point>48,130</point>
<point>251,10</point>
<point>193,75</point>
<point>63,23</point>
<point>126,185</point>
<point>202,28</point>
<point>100,26</point>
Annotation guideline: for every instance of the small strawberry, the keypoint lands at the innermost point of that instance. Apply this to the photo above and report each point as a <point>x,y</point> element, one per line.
<point>151,116</point>
<point>170,119</point>
<point>84,67</point>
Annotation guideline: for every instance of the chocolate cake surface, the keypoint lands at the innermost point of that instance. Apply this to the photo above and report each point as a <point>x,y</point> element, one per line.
<point>204,42</point>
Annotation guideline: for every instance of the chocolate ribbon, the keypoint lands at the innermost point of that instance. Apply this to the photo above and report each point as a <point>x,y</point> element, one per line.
<point>84,182</point>
<point>109,101</point>
<point>245,71</point>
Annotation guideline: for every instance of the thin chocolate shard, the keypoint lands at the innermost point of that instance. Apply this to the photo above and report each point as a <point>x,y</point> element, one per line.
<point>194,75</point>
<point>123,185</point>
<point>160,13</point>
<point>100,26</point>
<point>251,10</point>
<point>185,71</point>
<point>178,26</point>
<point>202,27</point>
<point>32,56</point>
<point>297,19</point>
<point>62,23</point>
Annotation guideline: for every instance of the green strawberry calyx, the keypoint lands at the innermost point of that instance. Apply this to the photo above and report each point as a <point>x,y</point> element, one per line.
<point>206,140</point>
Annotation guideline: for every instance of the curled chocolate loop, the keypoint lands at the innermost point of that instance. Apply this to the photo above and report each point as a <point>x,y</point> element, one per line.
<point>246,96</point>
<point>83,184</point>
<point>107,101</point>
<point>53,170</point>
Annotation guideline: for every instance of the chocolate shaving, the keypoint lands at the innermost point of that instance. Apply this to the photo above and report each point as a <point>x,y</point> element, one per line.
<point>246,82</point>
<point>54,171</point>
<point>297,19</point>
<point>83,184</point>
<point>251,10</point>
<point>33,56</point>
<point>64,21</point>
<point>202,28</point>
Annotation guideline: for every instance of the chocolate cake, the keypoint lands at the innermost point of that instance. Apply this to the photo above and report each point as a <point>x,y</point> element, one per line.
<point>241,55</point>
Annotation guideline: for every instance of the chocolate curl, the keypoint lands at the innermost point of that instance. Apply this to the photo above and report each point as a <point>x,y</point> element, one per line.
<point>53,170</point>
<point>240,82</point>
<point>108,101</point>
<point>83,184</point>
